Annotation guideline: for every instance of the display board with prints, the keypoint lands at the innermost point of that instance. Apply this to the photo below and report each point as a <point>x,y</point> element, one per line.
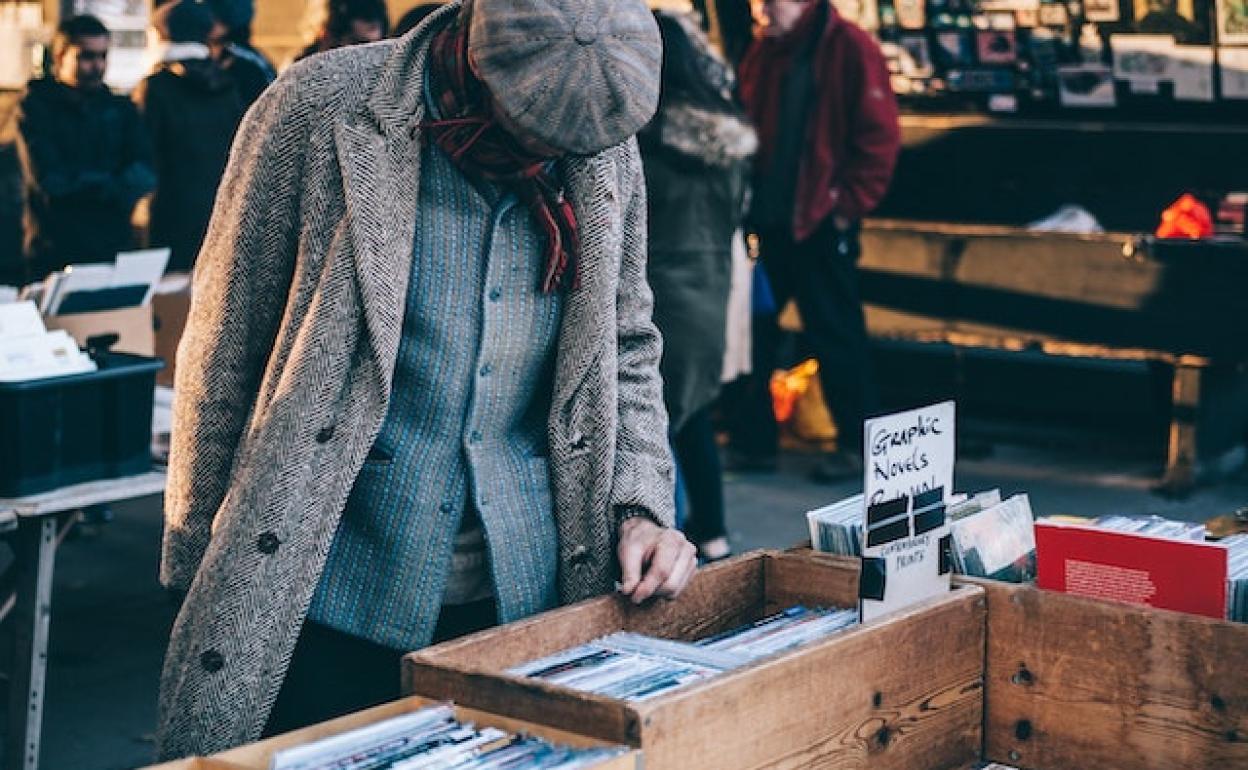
<point>908,461</point>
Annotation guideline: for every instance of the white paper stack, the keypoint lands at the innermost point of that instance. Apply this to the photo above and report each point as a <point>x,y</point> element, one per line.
<point>637,667</point>
<point>837,528</point>
<point>1237,577</point>
<point>434,738</point>
<point>141,269</point>
<point>29,352</point>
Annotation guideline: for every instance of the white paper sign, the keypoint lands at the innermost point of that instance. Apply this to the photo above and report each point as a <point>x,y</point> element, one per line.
<point>909,567</point>
<point>909,452</point>
<point>908,477</point>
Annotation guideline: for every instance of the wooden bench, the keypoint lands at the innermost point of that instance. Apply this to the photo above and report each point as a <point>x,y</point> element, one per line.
<point>1105,296</point>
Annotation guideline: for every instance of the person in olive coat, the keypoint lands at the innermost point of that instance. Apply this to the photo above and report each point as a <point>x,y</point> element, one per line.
<point>696,156</point>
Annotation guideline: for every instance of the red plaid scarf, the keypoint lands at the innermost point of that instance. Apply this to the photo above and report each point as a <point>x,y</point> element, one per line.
<point>479,147</point>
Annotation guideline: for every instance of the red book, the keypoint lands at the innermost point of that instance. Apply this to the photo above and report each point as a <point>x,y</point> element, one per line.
<point>1183,575</point>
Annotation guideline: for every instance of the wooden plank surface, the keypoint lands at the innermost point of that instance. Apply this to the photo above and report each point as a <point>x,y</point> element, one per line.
<point>799,579</point>
<point>720,597</point>
<point>534,700</point>
<point>1078,683</point>
<point>904,693</point>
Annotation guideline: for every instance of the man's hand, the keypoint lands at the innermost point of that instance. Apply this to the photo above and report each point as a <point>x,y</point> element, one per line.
<point>654,560</point>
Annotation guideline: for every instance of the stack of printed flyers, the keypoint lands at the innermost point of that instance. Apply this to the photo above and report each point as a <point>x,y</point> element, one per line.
<point>635,667</point>
<point>433,738</point>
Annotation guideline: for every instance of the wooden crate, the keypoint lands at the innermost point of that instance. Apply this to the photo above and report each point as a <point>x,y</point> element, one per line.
<point>1080,683</point>
<point>902,693</point>
<point>256,756</point>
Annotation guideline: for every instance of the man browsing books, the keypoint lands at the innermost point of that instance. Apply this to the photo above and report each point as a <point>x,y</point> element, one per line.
<point>418,391</point>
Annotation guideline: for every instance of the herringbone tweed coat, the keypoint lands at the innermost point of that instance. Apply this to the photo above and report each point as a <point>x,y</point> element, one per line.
<point>284,375</point>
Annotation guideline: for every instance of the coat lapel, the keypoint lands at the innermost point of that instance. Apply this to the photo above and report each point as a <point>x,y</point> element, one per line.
<point>381,220</point>
<point>583,335</point>
<point>379,157</point>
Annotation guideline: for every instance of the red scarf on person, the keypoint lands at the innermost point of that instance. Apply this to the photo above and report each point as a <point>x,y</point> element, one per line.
<point>764,69</point>
<point>481,148</point>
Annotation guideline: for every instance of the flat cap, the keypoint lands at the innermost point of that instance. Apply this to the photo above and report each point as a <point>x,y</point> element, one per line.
<point>580,75</point>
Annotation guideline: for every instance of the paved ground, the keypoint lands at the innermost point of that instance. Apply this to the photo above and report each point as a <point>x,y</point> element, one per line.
<point>110,619</point>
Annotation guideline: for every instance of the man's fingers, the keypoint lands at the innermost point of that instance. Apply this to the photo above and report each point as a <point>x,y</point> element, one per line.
<point>686,566</point>
<point>663,562</point>
<point>633,551</point>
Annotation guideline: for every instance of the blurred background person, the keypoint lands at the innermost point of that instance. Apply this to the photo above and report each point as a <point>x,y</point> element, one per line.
<point>350,22</point>
<point>230,43</point>
<point>817,89</point>
<point>84,155</point>
<point>191,107</point>
<point>696,156</point>
<point>409,20</point>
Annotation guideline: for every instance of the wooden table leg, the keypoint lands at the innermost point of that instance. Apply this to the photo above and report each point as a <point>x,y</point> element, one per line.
<point>1180,474</point>
<point>35,547</point>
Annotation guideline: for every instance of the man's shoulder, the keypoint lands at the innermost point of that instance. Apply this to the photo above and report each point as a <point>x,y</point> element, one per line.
<point>38,92</point>
<point>857,39</point>
<point>337,80</point>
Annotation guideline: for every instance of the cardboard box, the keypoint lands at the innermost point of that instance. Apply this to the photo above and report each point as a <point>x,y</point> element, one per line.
<point>257,756</point>
<point>905,692</point>
<point>169,314</point>
<point>133,325</point>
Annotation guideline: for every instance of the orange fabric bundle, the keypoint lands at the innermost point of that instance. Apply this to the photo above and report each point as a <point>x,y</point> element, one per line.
<point>1186,218</point>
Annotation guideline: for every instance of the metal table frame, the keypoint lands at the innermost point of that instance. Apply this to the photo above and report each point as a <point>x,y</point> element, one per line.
<point>35,526</point>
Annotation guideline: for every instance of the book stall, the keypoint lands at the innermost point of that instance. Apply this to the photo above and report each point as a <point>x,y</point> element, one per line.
<point>861,649</point>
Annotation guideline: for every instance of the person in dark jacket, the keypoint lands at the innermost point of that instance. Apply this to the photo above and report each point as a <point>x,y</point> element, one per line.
<point>350,22</point>
<point>696,157</point>
<point>191,107</point>
<point>817,88</point>
<point>230,43</point>
<point>85,157</point>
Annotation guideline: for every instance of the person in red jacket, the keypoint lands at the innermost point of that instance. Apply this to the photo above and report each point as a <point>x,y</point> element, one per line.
<point>817,88</point>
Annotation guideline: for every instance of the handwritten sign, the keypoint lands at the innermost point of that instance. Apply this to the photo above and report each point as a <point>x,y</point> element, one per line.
<point>908,476</point>
<point>909,453</point>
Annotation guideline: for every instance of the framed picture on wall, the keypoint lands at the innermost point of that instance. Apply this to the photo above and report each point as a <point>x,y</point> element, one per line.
<point>1233,22</point>
<point>996,46</point>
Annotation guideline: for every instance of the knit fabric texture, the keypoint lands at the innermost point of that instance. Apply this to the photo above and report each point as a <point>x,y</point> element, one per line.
<point>466,425</point>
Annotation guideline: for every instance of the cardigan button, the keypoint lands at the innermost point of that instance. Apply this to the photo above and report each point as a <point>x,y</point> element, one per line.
<point>325,434</point>
<point>267,544</point>
<point>212,661</point>
<point>580,556</point>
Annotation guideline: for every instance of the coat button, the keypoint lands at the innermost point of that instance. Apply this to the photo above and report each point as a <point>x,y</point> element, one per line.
<point>267,544</point>
<point>578,442</point>
<point>325,434</point>
<point>212,661</point>
<point>580,556</point>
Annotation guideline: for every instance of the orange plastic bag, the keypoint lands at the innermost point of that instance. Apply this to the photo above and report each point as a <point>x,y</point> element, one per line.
<point>788,386</point>
<point>1186,218</point>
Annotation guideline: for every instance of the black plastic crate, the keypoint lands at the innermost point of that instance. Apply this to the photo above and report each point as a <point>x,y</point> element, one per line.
<point>83,427</point>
